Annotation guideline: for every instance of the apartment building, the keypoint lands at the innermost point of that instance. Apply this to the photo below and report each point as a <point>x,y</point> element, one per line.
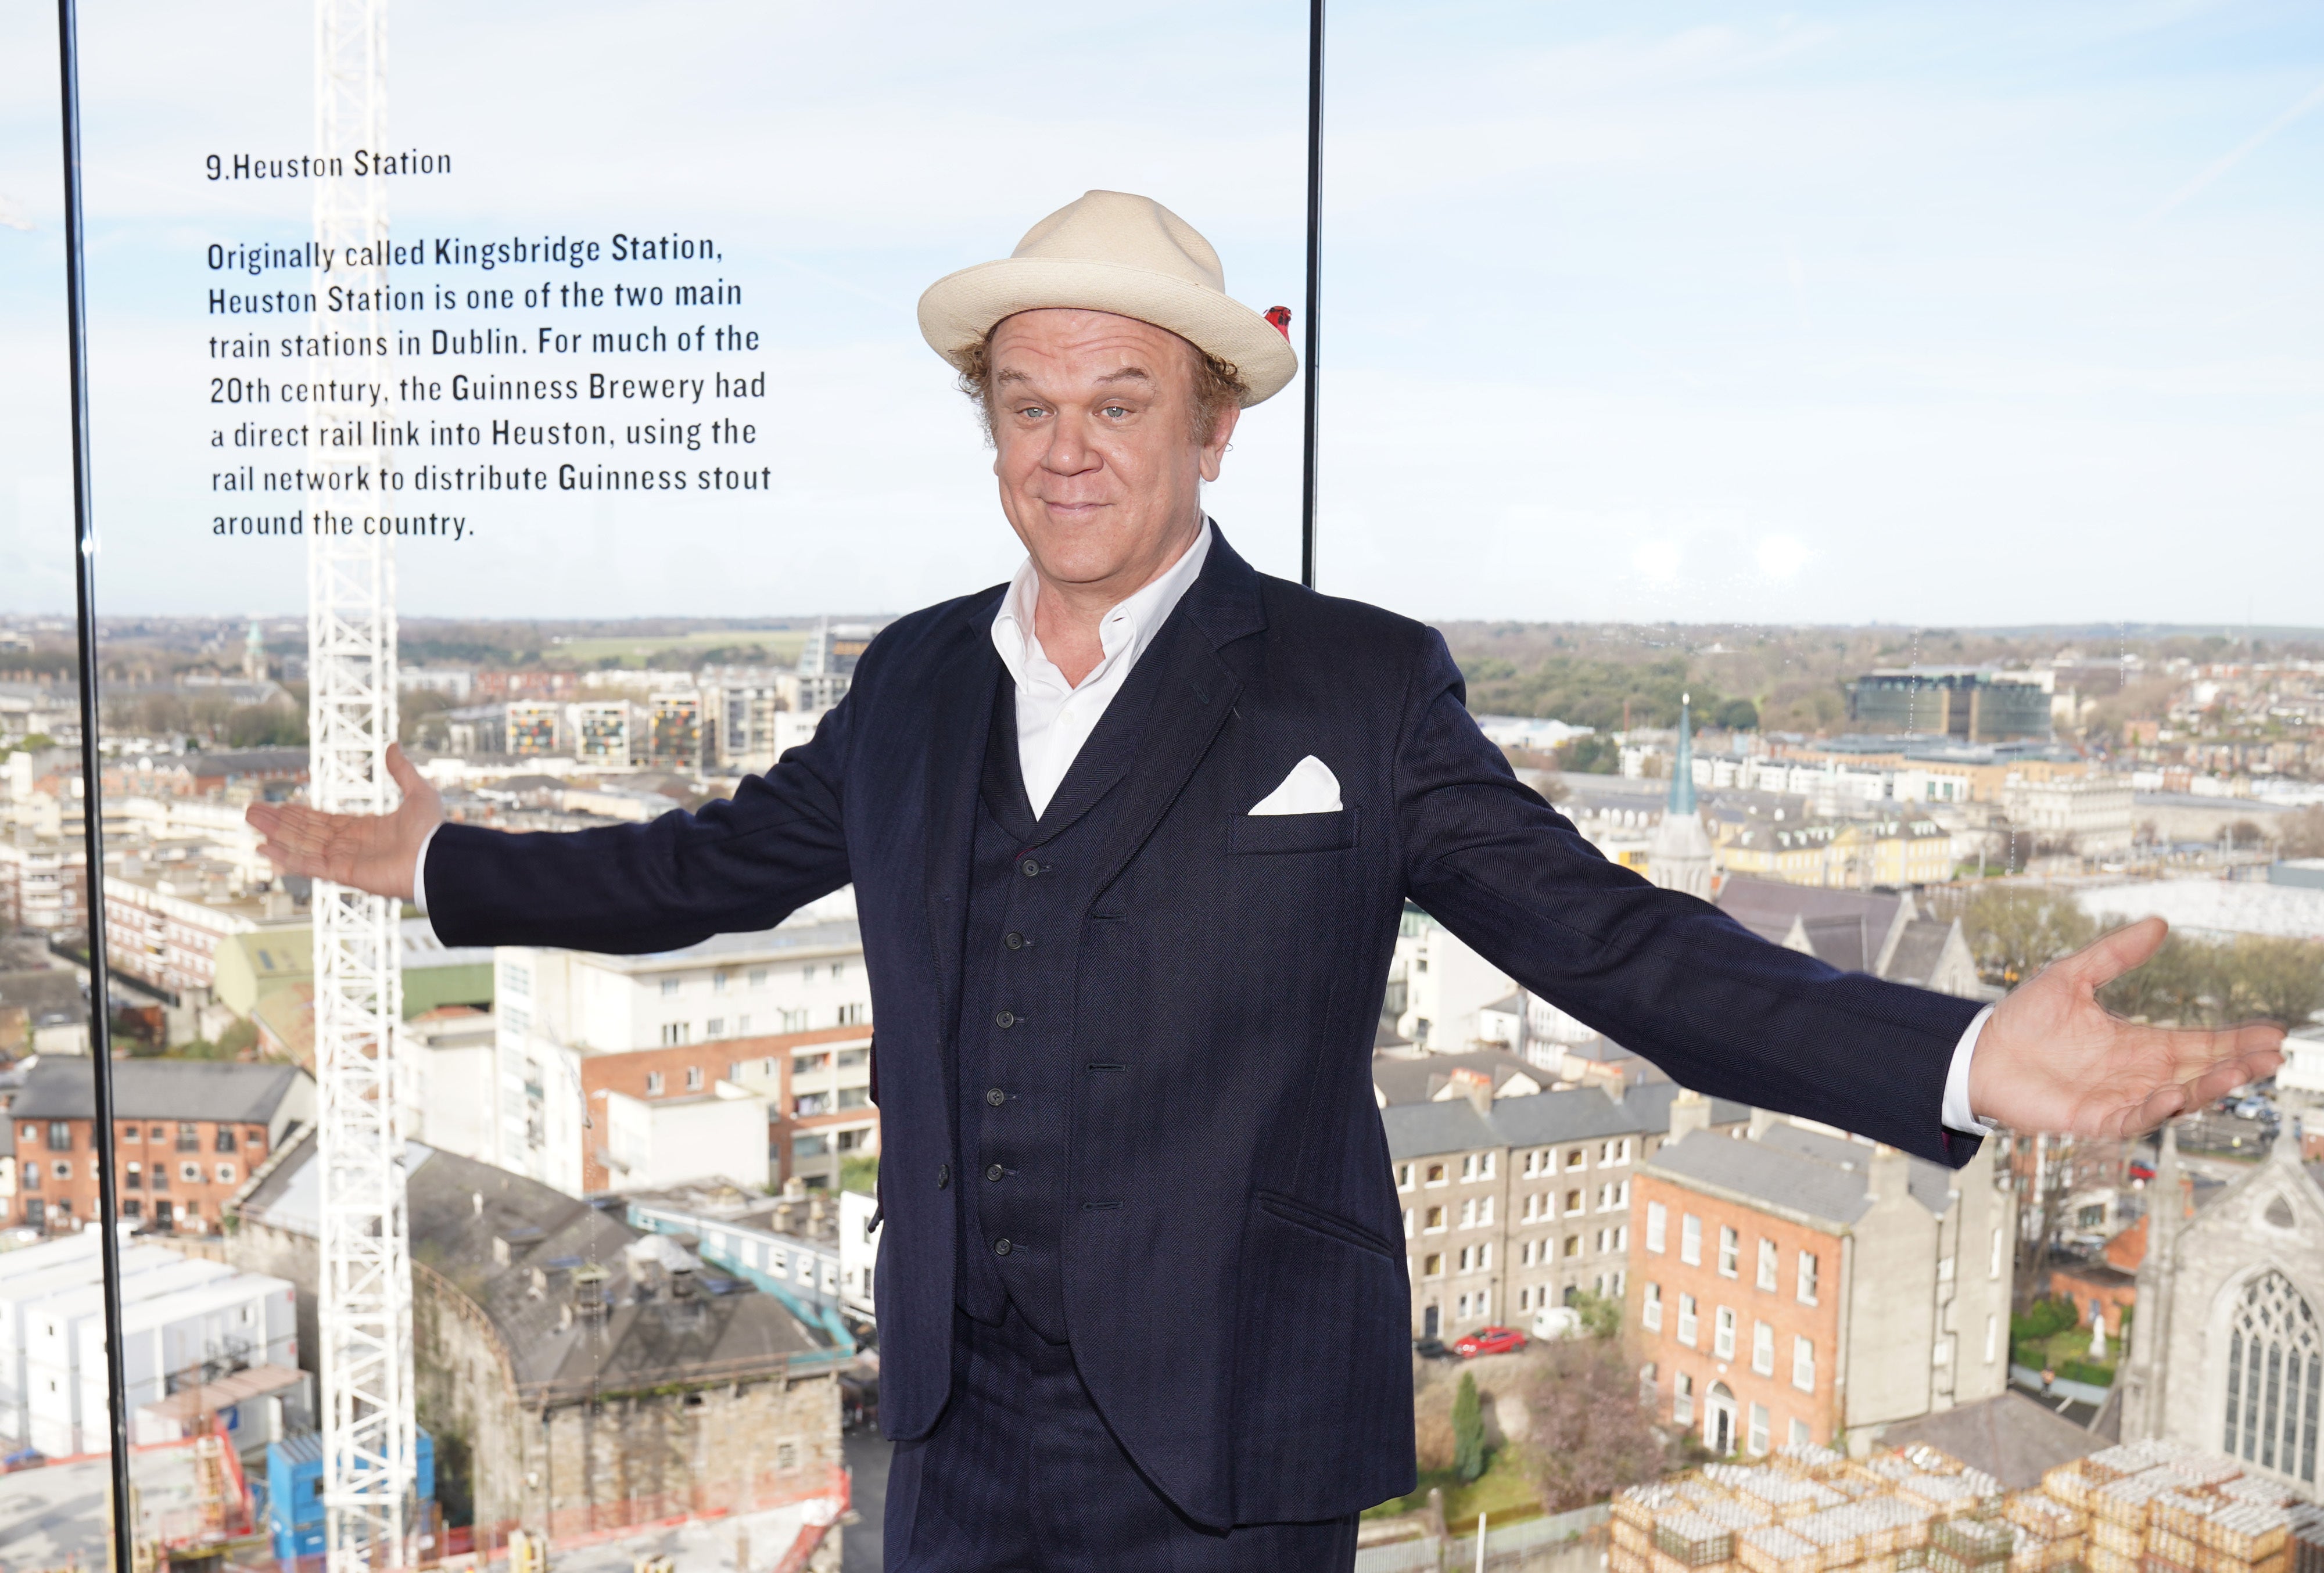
<point>1518,1202</point>
<point>728,1009</point>
<point>188,1135</point>
<point>1800,1284</point>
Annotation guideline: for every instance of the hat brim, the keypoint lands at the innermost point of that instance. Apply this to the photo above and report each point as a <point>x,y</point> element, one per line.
<point>960,309</point>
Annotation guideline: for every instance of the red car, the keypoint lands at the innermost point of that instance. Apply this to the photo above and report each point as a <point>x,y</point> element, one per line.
<point>1491,1340</point>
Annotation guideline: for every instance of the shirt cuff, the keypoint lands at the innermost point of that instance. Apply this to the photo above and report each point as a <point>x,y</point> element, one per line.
<point>1957,1114</point>
<point>420,900</point>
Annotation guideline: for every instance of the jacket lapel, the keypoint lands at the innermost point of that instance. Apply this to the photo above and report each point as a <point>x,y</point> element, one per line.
<point>960,718</point>
<point>1195,694</point>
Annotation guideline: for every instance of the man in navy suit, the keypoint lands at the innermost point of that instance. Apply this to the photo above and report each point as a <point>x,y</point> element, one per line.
<point>1130,837</point>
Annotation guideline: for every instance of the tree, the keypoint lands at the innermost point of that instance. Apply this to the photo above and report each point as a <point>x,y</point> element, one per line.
<point>1468,1430</point>
<point>1591,1436</point>
<point>2275,979</point>
<point>2180,983</point>
<point>1738,715</point>
<point>1595,755</point>
<point>2015,931</point>
<point>2303,832</point>
<point>1601,1315</point>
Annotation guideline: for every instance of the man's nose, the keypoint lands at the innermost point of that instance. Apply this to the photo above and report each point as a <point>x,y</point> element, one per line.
<point>1070,452</point>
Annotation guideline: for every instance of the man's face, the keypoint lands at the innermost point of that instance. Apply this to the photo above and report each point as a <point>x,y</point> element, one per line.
<point>1098,463</point>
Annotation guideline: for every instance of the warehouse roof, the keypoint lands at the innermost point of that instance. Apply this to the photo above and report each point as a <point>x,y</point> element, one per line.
<point>1416,1130</point>
<point>60,1087</point>
<point>1807,1172</point>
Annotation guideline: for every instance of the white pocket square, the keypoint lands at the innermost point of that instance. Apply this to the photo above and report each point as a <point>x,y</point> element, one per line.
<point>1310,788</point>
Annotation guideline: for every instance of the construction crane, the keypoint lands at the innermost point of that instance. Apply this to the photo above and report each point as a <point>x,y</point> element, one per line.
<point>369,1473</point>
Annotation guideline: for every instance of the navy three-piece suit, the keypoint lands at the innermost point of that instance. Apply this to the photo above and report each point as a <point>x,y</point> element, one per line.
<point>1124,1061</point>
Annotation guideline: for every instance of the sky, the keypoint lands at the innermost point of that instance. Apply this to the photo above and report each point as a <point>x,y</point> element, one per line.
<point>1980,314</point>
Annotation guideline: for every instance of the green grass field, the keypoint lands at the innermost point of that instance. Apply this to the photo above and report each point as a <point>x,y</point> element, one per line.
<point>1502,1490</point>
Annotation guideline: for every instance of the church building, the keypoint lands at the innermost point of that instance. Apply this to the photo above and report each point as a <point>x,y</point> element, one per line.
<point>2228,1348</point>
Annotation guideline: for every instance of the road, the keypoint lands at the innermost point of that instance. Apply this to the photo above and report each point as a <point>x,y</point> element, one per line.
<point>860,1549</point>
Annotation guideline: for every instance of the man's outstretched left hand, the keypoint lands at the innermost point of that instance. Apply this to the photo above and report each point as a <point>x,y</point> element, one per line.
<point>2051,1058</point>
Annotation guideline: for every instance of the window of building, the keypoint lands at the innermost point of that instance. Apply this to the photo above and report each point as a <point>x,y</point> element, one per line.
<point>838,970</point>
<point>131,1133</point>
<point>1992,1336</point>
<point>1689,1240</point>
<point>1657,1221</point>
<point>1722,1336</point>
<point>1647,1393</point>
<point>855,1098</point>
<point>62,1169</point>
<point>158,1177</point>
<point>1807,1278</point>
<point>2275,1367</point>
<point>693,1078</point>
<point>793,1020</point>
<point>1804,1364</point>
<point>1682,1399</point>
<point>191,1173</point>
<point>1484,1302</point>
<point>733,1070</point>
<point>1435,1224</point>
<point>1617,1151</point>
<point>676,1034</point>
<point>1436,1173</point>
<point>1574,1158</point>
<point>718,981</point>
<point>224,1142</point>
<point>1687,1323</point>
<point>190,1137</point>
<point>1484,1212</point>
<point>668,986</point>
<point>810,1146</point>
<point>1462,1267</point>
<point>1408,1223</point>
<point>1767,1255</point>
<point>156,1133</point>
<point>517,980</point>
<point>132,1178</point>
<point>1802,1434</point>
<point>32,1176</point>
<point>1485,1257</point>
<point>1403,1176</point>
<point>1573,1245</point>
<point>254,1140</point>
<point>1469,1213</point>
<point>1763,1349</point>
<point>1758,1437</point>
<point>1940,1352</point>
<point>758,976</point>
<point>1573,1202</point>
<point>1431,1265</point>
<point>1650,1307</point>
<point>1730,1252</point>
<point>1992,1268</point>
<point>653,1084</point>
<point>852,1015</point>
<point>225,1173</point>
<point>715,1028</point>
<point>60,1135</point>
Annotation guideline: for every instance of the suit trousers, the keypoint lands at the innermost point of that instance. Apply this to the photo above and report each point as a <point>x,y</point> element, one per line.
<point>1022,1475</point>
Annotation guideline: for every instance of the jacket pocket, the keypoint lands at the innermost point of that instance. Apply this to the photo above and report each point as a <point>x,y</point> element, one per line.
<point>1292,833</point>
<point>1322,1412</point>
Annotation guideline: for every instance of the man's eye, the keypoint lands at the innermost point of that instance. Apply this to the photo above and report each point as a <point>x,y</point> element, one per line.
<point>1115,409</point>
<point>1033,411</point>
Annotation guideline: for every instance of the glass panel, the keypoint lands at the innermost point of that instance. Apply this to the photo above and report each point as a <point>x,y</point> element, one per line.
<point>2235,1390</point>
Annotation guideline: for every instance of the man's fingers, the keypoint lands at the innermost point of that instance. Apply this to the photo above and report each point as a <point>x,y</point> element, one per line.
<point>2109,956</point>
<point>2160,1105</point>
<point>405,773</point>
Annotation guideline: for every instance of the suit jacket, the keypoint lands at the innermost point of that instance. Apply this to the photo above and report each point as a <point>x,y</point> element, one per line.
<point>1241,1317</point>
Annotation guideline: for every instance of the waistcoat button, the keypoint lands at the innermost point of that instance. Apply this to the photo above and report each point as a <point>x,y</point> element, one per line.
<point>1000,1247</point>
<point>944,1175</point>
<point>1015,941</point>
<point>995,1096</point>
<point>1032,866</point>
<point>1006,1018</point>
<point>994,1172</point>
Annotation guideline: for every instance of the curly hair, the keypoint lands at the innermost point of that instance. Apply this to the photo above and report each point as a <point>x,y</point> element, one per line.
<point>1218,385</point>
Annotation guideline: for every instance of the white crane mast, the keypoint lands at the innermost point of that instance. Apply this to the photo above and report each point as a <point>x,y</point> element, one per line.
<point>369,1470</point>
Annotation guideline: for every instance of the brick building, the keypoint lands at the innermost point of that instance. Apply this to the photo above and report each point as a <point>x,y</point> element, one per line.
<point>188,1135</point>
<point>1517,1202</point>
<point>1799,1285</point>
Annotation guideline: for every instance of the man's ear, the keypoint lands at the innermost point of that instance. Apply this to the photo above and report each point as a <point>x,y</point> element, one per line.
<point>1222,431</point>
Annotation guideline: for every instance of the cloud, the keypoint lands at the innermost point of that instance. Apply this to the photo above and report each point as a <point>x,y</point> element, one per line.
<point>1780,556</point>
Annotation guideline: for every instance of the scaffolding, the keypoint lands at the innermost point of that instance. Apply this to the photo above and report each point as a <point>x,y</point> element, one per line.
<point>369,1471</point>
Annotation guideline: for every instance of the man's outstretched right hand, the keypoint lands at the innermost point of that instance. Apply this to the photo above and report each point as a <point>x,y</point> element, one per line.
<point>366,851</point>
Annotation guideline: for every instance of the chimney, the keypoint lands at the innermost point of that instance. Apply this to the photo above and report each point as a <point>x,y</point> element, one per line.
<point>1690,1112</point>
<point>1888,1176</point>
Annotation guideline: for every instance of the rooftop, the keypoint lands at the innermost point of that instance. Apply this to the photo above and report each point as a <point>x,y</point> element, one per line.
<point>510,1246</point>
<point>1796,1170</point>
<point>1419,1130</point>
<point>792,939</point>
<point>60,1087</point>
<point>2009,1437</point>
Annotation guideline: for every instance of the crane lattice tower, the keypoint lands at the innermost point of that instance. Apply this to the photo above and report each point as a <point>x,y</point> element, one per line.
<point>369,1470</point>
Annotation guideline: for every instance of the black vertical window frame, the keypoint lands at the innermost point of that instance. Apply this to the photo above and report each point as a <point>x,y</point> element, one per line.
<point>1315,288</point>
<point>100,1046</point>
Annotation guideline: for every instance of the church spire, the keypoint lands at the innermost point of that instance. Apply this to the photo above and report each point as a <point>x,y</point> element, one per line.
<point>1681,788</point>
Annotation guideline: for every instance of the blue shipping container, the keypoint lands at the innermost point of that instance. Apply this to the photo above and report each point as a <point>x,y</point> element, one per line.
<point>294,1491</point>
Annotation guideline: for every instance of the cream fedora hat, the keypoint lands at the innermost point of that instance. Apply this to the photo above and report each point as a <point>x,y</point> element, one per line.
<point>1112,251</point>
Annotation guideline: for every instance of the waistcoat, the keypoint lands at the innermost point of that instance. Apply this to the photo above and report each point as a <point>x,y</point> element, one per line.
<point>1032,882</point>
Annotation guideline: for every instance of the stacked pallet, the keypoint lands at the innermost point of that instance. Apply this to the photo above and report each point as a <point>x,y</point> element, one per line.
<point>2142,1507</point>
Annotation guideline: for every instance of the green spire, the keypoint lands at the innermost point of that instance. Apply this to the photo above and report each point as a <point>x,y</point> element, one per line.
<point>1682,791</point>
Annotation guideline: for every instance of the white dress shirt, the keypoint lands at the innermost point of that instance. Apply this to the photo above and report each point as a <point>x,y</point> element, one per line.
<point>1055,718</point>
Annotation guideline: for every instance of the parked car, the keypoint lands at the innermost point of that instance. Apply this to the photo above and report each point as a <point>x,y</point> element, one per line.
<point>1431,1349</point>
<point>1491,1340</point>
<point>2140,1168</point>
